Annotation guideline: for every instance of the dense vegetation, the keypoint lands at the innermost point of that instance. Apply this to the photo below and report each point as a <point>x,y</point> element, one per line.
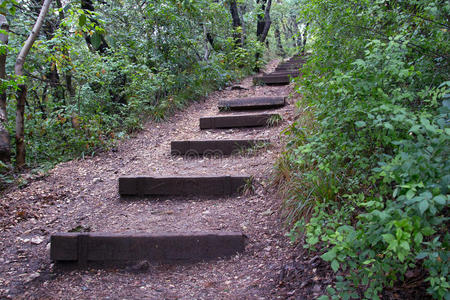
<point>98,69</point>
<point>367,173</point>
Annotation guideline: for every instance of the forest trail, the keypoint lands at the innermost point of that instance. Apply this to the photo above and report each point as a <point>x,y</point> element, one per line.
<point>83,194</point>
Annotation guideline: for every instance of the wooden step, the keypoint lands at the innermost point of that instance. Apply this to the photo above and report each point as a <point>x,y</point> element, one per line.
<point>273,79</point>
<point>289,64</point>
<point>214,148</point>
<point>252,103</point>
<point>287,68</point>
<point>162,247</point>
<point>296,59</point>
<point>182,186</point>
<point>293,73</point>
<point>236,121</point>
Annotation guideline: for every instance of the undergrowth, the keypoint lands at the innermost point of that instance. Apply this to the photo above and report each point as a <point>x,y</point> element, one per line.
<point>366,174</point>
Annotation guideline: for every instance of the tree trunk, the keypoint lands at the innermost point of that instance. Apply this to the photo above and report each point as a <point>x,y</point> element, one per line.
<point>264,21</point>
<point>22,88</point>
<point>5,147</point>
<point>21,96</point>
<point>304,38</point>
<point>278,38</point>
<point>206,40</point>
<point>262,27</point>
<point>237,35</point>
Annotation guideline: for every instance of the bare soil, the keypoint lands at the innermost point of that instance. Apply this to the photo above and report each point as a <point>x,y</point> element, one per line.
<point>82,194</point>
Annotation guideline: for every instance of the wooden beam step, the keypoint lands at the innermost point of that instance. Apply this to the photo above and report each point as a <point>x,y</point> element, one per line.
<point>273,79</point>
<point>287,68</point>
<point>252,103</point>
<point>288,64</point>
<point>216,148</point>
<point>297,58</point>
<point>182,185</point>
<point>284,72</point>
<point>162,247</point>
<point>236,121</point>
<point>293,62</point>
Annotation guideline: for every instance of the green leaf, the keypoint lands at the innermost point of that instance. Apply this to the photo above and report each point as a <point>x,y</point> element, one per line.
<point>423,206</point>
<point>330,255</point>
<point>405,245</point>
<point>96,40</point>
<point>427,231</point>
<point>421,255</point>
<point>360,124</point>
<point>82,20</point>
<point>410,194</point>
<point>388,238</point>
<point>335,265</point>
<point>418,238</point>
<point>440,199</point>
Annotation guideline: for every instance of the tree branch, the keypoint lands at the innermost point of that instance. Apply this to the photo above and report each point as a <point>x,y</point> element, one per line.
<point>18,68</point>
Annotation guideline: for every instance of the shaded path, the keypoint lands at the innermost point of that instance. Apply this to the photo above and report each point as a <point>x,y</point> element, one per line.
<point>83,193</point>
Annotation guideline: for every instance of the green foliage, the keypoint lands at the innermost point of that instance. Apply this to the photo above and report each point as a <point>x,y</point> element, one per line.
<point>95,76</point>
<point>375,171</point>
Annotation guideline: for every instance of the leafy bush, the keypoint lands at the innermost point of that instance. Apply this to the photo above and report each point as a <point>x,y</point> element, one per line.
<point>375,169</point>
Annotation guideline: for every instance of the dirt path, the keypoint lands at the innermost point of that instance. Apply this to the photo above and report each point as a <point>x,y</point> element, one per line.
<point>83,193</point>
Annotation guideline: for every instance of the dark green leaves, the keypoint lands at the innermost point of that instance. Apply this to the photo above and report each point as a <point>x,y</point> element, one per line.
<point>82,20</point>
<point>96,39</point>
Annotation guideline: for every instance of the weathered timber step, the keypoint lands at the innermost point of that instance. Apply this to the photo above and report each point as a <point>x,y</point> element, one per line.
<point>236,121</point>
<point>182,186</point>
<point>163,247</point>
<point>273,79</point>
<point>215,148</point>
<point>287,68</point>
<point>295,61</point>
<point>294,73</point>
<point>287,64</point>
<point>252,103</point>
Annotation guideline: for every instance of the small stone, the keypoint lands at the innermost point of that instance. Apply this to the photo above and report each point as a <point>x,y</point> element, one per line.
<point>36,240</point>
<point>23,240</point>
<point>267,212</point>
<point>97,180</point>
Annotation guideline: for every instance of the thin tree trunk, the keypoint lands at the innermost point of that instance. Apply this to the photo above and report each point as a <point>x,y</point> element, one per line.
<point>237,35</point>
<point>5,146</point>
<point>264,23</point>
<point>22,88</point>
<point>206,40</point>
<point>278,38</point>
<point>262,28</point>
<point>299,41</point>
<point>304,38</point>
